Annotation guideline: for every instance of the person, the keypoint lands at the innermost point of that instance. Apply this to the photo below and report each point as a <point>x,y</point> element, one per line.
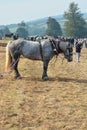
<point>86,43</point>
<point>78,49</point>
<point>72,41</point>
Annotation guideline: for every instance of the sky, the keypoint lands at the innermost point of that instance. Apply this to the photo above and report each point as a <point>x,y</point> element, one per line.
<point>15,11</point>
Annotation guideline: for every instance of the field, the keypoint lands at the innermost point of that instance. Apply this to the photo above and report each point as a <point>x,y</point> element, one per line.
<point>34,104</point>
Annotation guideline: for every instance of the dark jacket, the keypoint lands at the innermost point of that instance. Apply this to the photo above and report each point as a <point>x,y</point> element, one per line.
<point>78,47</point>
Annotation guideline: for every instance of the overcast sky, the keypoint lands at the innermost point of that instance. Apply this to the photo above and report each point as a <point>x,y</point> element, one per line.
<point>15,11</point>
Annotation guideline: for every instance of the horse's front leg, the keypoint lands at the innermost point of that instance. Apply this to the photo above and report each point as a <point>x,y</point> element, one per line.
<point>45,67</point>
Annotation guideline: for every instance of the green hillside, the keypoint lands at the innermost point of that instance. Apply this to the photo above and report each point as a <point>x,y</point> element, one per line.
<point>38,27</point>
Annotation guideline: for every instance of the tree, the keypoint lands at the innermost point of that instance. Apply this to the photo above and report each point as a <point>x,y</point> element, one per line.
<point>5,30</point>
<point>1,34</point>
<point>75,25</point>
<point>22,24</point>
<point>53,28</point>
<point>22,32</point>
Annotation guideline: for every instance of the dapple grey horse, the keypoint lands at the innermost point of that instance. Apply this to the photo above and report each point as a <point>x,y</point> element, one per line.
<point>44,51</point>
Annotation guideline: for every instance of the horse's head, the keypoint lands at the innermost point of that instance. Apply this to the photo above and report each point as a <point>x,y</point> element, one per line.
<point>68,53</point>
<point>64,47</point>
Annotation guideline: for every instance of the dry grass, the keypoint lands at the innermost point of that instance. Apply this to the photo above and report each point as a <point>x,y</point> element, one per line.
<point>32,104</point>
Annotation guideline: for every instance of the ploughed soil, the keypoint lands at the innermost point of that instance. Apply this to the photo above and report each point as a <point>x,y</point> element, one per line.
<point>33,104</point>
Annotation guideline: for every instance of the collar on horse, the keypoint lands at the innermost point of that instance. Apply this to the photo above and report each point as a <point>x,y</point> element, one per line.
<point>56,47</point>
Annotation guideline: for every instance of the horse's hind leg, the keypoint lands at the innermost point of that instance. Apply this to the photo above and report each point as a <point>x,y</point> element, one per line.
<point>17,74</point>
<point>45,67</point>
<point>15,60</point>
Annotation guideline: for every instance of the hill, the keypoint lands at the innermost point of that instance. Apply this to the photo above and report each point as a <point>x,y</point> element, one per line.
<point>38,26</point>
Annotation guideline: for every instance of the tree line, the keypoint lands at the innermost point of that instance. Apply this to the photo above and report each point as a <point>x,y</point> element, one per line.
<point>74,26</point>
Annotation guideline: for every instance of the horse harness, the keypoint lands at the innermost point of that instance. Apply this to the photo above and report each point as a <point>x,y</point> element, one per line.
<point>41,50</point>
<point>56,48</point>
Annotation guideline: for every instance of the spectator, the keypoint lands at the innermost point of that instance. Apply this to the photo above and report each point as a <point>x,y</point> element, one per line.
<point>86,42</point>
<point>72,41</point>
<point>78,50</point>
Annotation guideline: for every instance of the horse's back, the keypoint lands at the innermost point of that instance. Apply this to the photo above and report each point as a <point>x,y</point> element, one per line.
<point>31,49</point>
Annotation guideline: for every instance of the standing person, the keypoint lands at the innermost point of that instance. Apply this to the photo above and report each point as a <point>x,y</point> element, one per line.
<point>78,50</point>
<point>72,41</point>
<point>86,42</point>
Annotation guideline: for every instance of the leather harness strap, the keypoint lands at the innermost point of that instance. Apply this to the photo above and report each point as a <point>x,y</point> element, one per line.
<point>59,49</point>
<point>55,48</point>
<point>41,52</point>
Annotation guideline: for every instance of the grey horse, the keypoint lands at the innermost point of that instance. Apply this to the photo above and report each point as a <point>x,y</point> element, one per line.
<point>44,51</point>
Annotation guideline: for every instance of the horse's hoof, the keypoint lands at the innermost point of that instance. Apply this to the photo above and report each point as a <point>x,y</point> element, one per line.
<point>45,78</point>
<point>1,76</point>
<point>18,77</point>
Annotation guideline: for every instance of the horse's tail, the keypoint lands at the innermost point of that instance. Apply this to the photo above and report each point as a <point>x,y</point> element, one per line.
<point>8,58</point>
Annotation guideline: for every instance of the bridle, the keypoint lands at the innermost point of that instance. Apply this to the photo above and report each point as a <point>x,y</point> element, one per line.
<point>68,53</point>
<point>56,47</point>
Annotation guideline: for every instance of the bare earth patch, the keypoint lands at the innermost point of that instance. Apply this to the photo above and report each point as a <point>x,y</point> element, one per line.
<point>32,104</point>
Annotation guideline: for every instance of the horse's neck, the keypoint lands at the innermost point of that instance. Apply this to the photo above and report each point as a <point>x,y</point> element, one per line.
<point>63,45</point>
